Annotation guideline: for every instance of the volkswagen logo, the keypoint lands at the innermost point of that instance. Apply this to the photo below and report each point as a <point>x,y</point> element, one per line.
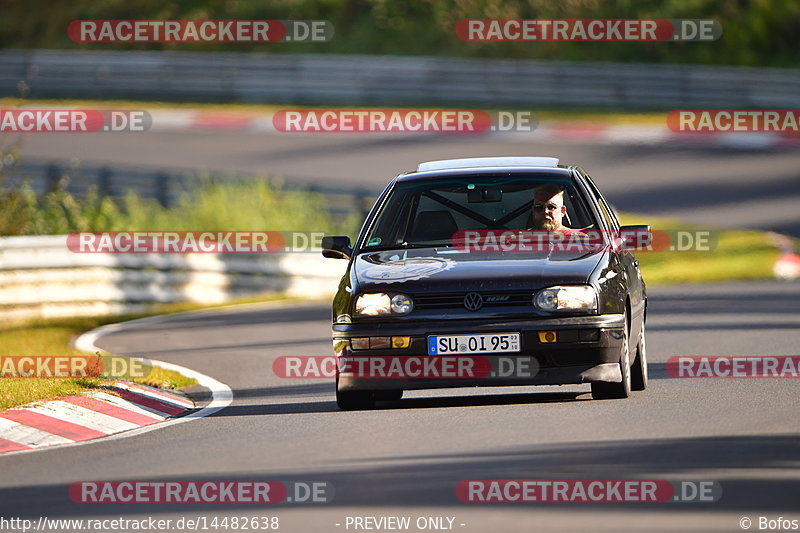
<point>473,301</point>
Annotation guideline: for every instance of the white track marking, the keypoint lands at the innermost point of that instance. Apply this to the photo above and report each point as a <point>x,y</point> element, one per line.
<point>28,436</point>
<point>82,416</point>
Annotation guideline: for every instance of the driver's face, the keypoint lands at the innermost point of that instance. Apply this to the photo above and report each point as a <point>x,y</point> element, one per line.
<point>548,212</point>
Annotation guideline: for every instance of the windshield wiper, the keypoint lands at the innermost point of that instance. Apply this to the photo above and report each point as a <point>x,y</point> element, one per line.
<point>405,246</point>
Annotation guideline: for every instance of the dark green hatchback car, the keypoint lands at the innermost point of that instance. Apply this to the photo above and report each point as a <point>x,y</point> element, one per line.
<point>488,272</point>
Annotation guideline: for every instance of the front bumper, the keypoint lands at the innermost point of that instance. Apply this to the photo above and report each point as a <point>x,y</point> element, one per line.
<point>587,350</point>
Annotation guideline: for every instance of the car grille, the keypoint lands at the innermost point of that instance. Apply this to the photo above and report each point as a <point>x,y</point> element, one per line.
<point>456,300</point>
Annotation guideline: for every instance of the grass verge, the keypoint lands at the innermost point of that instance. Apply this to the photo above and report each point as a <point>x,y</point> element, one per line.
<point>738,255</point>
<point>54,336</point>
<point>544,115</point>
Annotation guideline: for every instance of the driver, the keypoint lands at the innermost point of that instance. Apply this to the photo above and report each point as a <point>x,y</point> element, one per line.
<point>549,209</point>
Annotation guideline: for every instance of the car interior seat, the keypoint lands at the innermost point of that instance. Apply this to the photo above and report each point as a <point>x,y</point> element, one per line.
<point>433,226</point>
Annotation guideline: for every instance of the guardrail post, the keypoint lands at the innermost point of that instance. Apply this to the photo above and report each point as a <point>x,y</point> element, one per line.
<point>162,189</point>
<point>104,181</point>
<point>54,182</point>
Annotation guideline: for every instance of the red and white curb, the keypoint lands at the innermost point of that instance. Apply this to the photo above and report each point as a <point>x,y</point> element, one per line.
<point>80,418</point>
<point>133,409</point>
<point>588,132</point>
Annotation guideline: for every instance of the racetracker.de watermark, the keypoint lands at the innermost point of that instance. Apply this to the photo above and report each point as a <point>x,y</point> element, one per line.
<point>588,30</point>
<point>741,366</point>
<point>734,120</point>
<point>586,491</point>
<point>381,120</point>
<point>199,31</point>
<point>584,241</point>
<point>387,366</point>
<point>201,492</point>
<point>72,366</point>
<point>402,121</point>
<point>73,120</point>
<point>202,242</point>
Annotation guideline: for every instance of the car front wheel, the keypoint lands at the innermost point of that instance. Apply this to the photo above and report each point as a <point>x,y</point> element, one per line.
<point>608,391</point>
<point>354,400</point>
<point>388,395</point>
<point>639,370</point>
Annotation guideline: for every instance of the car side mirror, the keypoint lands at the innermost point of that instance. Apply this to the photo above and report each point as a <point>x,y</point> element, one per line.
<point>635,238</point>
<point>337,247</point>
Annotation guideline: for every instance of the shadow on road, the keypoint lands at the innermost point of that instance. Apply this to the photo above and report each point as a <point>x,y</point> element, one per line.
<point>755,473</point>
<point>433,402</point>
<point>657,371</point>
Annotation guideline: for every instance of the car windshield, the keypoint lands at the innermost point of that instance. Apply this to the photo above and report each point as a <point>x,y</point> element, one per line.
<point>428,213</point>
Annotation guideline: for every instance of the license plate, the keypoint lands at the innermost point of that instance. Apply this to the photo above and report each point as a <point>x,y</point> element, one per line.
<point>480,343</point>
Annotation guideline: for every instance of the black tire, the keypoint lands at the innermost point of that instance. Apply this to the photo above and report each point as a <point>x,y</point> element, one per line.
<point>391,395</point>
<point>355,400</point>
<point>602,390</point>
<point>639,370</point>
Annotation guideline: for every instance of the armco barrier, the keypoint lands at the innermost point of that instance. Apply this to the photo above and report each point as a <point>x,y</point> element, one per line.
<point>389,80</point>
<point>40,277</point>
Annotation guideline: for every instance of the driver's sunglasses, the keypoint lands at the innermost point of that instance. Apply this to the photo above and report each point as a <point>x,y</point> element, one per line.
<point>550,207</point>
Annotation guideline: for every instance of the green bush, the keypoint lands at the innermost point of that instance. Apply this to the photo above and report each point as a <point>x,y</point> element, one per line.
<point>254,205</point>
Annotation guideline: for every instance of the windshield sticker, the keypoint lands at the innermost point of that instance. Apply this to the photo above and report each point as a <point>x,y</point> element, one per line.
<point>408,269</point>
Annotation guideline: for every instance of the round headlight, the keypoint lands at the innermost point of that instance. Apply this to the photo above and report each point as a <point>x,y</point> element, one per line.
<point>546,300</point>
<point>402,304</point>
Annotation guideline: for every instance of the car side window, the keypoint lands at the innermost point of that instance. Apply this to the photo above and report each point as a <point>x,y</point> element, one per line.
<point>610,210</point>
<point>608,213</point>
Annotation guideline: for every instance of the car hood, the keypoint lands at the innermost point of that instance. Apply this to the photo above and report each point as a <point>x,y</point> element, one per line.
<point>444,270</point>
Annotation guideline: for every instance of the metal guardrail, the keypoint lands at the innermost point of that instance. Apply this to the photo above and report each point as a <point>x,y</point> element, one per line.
<point>388,80</point>
<point>162,185</point>
<point>41,277</point>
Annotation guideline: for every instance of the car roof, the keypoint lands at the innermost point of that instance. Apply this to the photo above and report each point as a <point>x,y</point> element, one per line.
<point>485,165</point>
<point>482,162</point>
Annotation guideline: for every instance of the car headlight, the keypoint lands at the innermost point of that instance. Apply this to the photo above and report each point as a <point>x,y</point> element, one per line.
<point>567,298</point>
<point>381,304</point>
<point>401,304</point>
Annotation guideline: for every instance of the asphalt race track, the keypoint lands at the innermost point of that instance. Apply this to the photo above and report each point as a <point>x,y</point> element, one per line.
<point>406,458</point>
